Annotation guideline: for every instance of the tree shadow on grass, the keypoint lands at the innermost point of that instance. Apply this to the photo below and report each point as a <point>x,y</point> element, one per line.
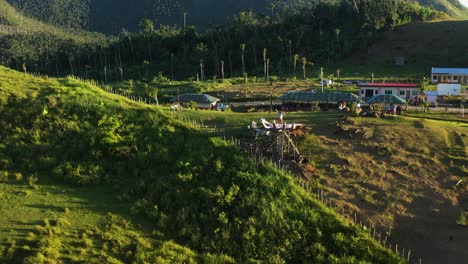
<point>431,232</point>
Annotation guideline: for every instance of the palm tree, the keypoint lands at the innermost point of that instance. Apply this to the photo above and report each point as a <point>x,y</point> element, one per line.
<point>242,47</point>
<point>265,64</point>
<point>296,59</point>
<point>172,66</point>
<point>202,71</point>
<point>147,27</point>
<point>222,69</point>
<point>304,65</point>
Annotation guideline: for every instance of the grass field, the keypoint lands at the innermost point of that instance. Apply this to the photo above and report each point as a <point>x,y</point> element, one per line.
<point>27,210</point>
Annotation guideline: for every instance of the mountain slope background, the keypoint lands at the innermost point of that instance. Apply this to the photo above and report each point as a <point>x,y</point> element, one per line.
<point>451,7</point>
<point>420,44</point>
<point>112,16</point>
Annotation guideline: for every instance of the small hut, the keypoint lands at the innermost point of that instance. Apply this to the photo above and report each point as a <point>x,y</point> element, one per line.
<point>203,101</point>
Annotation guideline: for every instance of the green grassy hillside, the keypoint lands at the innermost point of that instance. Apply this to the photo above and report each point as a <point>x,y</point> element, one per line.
<point>14,22</point>
<point>397,173</point>
<point>91,177</point>
<point>29,44</point>
<point>451,7</point>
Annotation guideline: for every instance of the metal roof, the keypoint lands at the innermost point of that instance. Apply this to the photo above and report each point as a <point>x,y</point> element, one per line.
<point>198,98</point>
<point>390,85</point>
<point>307,97</point>
<point>460,71</point>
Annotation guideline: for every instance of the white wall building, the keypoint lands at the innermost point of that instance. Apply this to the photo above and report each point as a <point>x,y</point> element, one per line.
<point>449,75</point>
<point>448,89</point>
<point>403,90</point>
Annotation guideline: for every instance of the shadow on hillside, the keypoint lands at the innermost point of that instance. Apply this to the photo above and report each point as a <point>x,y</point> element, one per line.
<point>432,234</point>
<point>431,44</point>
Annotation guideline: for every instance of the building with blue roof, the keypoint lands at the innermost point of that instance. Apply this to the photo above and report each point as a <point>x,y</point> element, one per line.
<point>449,75</point>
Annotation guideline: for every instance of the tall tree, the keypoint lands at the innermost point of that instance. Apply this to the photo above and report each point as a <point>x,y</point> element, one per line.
<point>242,47</point>
<point>147,28</point>
<point>296,59</point>
<point>265,64</point>
<point>304,67</point>
<point>222,69</point>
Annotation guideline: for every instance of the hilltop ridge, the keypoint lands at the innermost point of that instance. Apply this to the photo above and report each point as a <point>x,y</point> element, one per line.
<point>112,16</point>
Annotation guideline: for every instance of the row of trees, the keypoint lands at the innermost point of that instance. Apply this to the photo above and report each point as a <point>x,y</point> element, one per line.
<point>320,32</point>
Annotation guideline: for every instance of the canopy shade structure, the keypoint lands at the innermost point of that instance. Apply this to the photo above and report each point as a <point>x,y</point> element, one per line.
<point>308,97</point>
<point>386,98</point>
<point>198,98</point>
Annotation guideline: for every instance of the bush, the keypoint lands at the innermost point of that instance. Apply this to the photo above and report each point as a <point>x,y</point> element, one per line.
<point>463,220</point>
<point>32,180</point>
<point>192,105</point>
<point>79,173</point>
<point>3,176</point>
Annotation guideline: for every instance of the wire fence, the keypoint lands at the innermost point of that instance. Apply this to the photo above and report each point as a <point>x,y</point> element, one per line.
<point>380,235</point>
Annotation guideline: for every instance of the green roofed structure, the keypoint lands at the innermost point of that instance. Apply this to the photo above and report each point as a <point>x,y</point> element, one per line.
<point>202,100</point>
<point>327,97</point>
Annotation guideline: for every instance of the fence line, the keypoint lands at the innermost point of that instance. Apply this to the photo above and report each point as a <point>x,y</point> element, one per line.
<point>352,217</point>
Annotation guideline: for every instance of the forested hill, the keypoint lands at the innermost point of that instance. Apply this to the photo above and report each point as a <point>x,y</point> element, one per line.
<point>111,16</point>
<point>451,7</point>
<point>323,33</point>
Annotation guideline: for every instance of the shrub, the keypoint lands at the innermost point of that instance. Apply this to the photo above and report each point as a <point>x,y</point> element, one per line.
<point>18,176</point>
<point>87,242</point>
<point>3,176</point>
<point>192,105</point>
<point>463,220</point>
<point>31,180</point>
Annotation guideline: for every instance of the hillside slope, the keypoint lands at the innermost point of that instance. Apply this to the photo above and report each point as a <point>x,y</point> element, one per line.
<point>202,199</point>
<point>14,22</point>
<point>112,16</point>
<point>451,7</point>
<point>428,44</point>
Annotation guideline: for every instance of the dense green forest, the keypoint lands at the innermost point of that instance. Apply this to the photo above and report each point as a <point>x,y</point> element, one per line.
<point>205,200</point>
<point>113,16</point>
<point>300,35</point>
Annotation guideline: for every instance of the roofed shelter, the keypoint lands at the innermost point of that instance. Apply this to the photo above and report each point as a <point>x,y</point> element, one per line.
<point>449,75</point>
<point>403,90</point>
<point>311,97</point>
<point>203,101</point>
